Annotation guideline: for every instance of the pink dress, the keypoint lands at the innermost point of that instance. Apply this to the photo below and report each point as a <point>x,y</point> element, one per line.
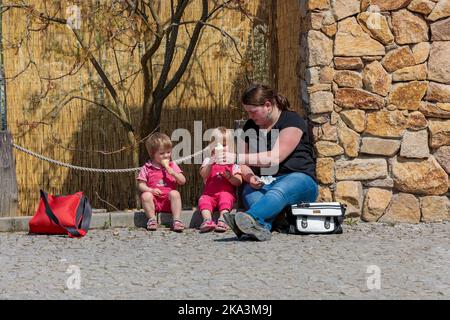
<point>159,178</point>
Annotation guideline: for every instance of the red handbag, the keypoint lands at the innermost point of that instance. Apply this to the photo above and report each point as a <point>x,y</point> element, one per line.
<point>69,215</point>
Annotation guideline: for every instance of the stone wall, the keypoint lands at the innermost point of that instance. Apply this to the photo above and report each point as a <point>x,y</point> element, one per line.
<point>375,79</point>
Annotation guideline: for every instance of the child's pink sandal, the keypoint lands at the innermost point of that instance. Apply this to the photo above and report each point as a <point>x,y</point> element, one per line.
<point>221,226</point>
<point>207,226</point>
<point>152,225</point>
<point>177,226</point>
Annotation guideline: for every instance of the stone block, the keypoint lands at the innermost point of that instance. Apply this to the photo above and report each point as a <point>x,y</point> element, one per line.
<point>421,51</point>
<point>348,63</point>
<point>409,27</point>
<point>100,221</point>
<point>419,176</point>
<point>442,156</point>
<point>377,26</point>
<point>354,119</point>
<point>439,133</point>
<point>325,170</point>
<point>361,169</point>
<point>389,5</point>
<point>404,208</point>
<point>441,30</point>
<point>419,72</point>
<point>391,124</point>
<point>6,224</point>
<point>121,219</point>
<point>415,145</point>
<point>382,147</point>
<point>434,209</point>
<point>398,58</point>
<point>353,98</point>
<point>351,194</point>
<point>352,41</point>
<point>376,79</point>
<point>439,62</point>
<point>421,6</point>
<point>441,10</point>
<point>408,96</point>
<point>345,8</point>
<point>21,224</point>
<point>375,204</point>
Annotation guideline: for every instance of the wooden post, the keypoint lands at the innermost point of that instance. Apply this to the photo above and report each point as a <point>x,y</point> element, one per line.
<point>8,181</point>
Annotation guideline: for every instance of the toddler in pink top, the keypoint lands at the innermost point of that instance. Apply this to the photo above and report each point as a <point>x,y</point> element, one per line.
<point>221,180</point>
<point>158,180</point>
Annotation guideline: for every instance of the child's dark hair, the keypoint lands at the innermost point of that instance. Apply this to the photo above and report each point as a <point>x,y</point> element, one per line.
<point>257,94</point>
<point>156,141</point>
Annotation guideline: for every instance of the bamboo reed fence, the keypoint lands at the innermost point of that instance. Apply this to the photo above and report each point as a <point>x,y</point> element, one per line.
<point>208,92</point>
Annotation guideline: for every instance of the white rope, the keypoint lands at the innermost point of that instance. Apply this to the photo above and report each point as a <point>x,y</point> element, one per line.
<point>70,166</point>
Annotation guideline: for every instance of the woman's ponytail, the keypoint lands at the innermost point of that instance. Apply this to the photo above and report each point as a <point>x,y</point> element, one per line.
<point>282,102</point>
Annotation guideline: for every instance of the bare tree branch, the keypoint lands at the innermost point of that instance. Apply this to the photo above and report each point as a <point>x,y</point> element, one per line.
<point>195,36</point>
<point>121,26</point>
<point>115,208</point>
<point>171,39</point>
<point>57,109</point>
<point>20,72</point>
<point>76,67</point>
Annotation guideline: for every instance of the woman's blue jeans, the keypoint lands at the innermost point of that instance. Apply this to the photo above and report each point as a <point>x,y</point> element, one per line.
<point>266,203</point>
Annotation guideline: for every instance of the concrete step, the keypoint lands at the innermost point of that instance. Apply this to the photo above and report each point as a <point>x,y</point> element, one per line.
<point>115,219</point>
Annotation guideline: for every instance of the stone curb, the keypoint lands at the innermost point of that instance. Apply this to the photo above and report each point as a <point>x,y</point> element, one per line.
<point>115,219</point>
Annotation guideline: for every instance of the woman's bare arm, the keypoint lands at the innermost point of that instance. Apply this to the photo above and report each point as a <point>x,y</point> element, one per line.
<point>285,144</point>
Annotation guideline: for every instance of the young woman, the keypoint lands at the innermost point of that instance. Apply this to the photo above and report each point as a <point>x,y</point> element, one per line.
<point>288,154</point>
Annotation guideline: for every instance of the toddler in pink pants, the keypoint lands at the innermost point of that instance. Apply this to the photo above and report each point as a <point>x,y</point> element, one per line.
<point>221,180</point>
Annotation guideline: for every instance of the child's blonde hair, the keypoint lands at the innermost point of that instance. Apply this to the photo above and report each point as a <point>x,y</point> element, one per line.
<point>223,136</point>
<point>156,141</point>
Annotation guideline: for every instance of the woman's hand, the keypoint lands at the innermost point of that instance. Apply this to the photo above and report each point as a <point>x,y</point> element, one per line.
<point>255,182</point>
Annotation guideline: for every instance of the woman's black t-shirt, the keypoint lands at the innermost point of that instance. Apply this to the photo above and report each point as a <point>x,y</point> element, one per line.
<point>302,159</point>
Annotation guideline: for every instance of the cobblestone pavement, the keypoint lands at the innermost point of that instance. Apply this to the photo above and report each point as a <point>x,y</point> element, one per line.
<point>413,262</point>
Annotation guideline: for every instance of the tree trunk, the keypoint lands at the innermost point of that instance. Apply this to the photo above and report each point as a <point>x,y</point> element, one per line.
<point>8,186</point>
<point>135,148</point>
<point>135,157</point>
<point>150,122</point>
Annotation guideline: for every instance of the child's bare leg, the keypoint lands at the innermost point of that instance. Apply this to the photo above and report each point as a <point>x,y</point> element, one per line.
<point>148,205</point>
<point>175,204</point>
<point>206,215</point>
<point>221,224</point>
<point>222,212</point>
<point>208,224</point>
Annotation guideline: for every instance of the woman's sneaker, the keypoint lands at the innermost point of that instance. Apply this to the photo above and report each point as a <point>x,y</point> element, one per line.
<point>248,225</point>
<point>229,219</point>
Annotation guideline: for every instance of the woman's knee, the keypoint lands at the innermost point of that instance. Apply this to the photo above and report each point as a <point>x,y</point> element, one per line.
<point>296,181</point>
<point>279,193</point>
<point>248,191</point>
<point>295,187</point>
